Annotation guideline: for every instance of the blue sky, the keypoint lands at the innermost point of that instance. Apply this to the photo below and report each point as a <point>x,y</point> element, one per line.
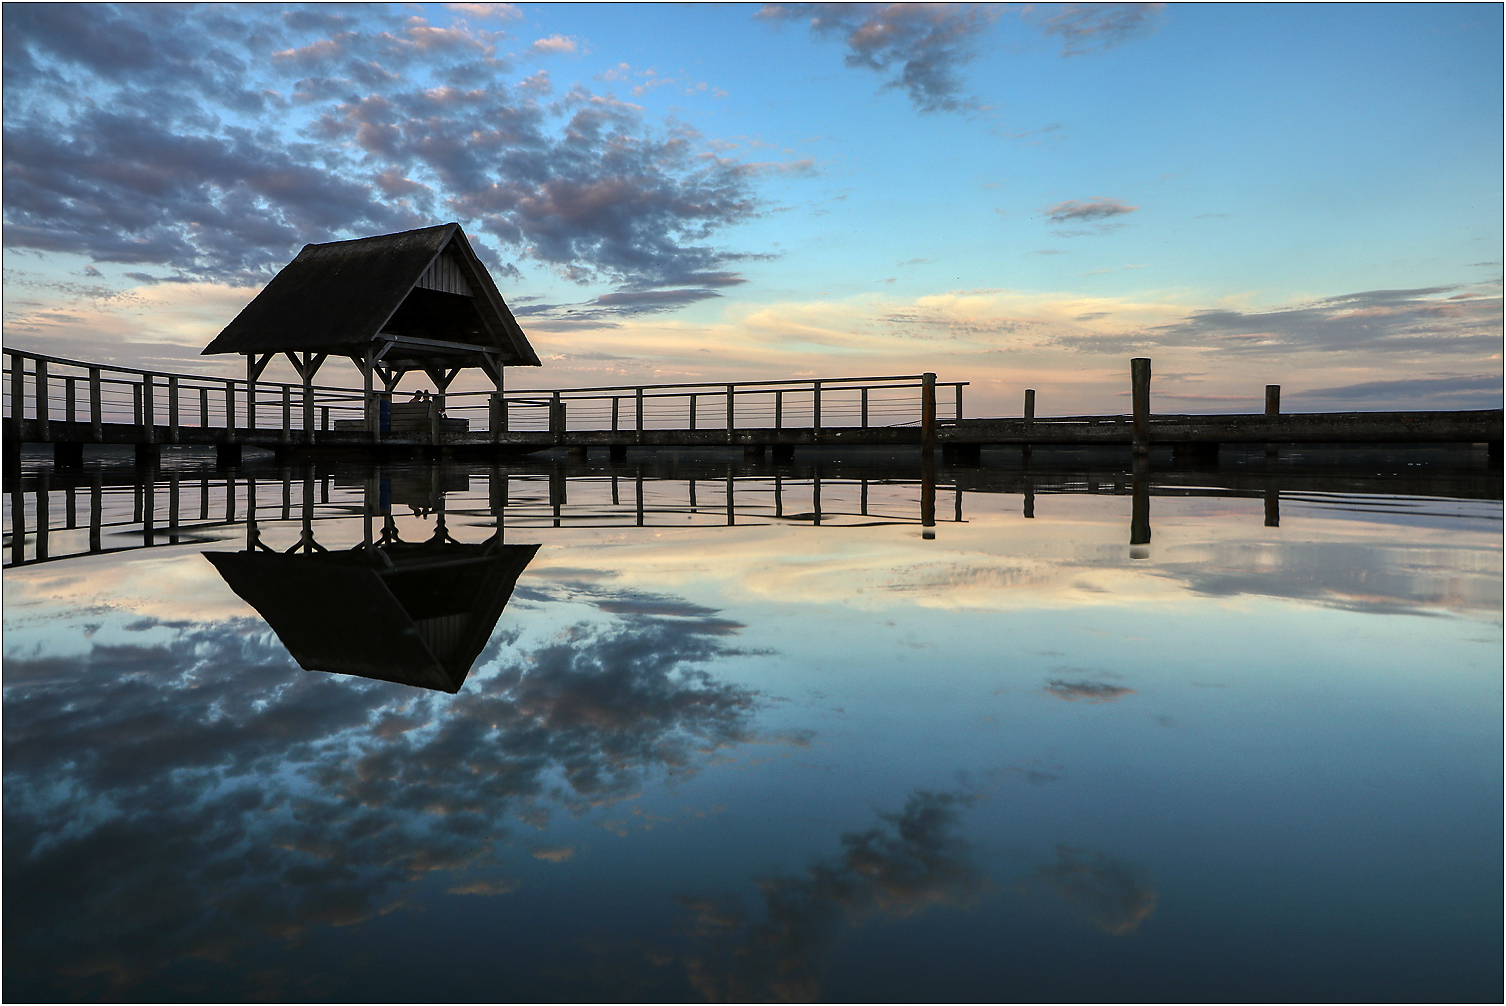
<point>1014,196</point>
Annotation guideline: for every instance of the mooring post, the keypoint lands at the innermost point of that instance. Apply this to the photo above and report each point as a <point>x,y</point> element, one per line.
<point>1140,395</point>
<point>1272,408</point>
<point>1029,418</point>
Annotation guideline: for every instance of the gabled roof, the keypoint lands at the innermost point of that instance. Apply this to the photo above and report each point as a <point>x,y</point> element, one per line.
<point>343,296</point>
<point>412,613</point>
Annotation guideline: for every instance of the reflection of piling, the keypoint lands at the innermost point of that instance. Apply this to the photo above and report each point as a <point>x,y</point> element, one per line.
<point>731,507</point>
<point>1140,396</point>
<point>927,496</point>
<point>1272,508</point>
<point>1029,497</point>
<point>816,495</point>
<point>639,480</point>
<point>1140,511</point>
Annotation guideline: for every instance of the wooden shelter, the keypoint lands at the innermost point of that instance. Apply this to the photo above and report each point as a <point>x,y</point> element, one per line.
<point>414,613</point>
<point>393,303</point>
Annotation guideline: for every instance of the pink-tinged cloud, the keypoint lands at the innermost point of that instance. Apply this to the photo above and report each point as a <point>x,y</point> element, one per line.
<point>1087,209</point>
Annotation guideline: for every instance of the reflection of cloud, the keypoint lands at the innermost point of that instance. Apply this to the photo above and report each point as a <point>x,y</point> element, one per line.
<point>1108,893</point>
<point>195,793</point>
<point>912,861</point>
<point>1092,691</point>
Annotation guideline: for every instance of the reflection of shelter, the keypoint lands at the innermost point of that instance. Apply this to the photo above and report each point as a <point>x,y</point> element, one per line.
<point>412,613</point>
<point>418,300</point>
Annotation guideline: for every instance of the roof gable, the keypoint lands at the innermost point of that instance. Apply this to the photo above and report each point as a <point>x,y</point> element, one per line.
<point>342,296</point>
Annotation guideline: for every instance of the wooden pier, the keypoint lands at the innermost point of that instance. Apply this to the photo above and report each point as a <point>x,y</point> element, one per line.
<point>68,404</point>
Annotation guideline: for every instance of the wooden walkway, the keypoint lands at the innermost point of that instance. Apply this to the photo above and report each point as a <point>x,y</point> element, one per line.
<point>71,403</point>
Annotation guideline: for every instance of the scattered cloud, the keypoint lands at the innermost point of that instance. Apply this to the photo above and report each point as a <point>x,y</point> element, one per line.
<point>1091,691</point>
<point>1094,27</point>
<point>1087,210</point>
<point>920,48</point>
<point>554,45</point>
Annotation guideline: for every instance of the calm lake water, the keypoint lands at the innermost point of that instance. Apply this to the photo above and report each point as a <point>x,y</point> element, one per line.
<point>777,746</point>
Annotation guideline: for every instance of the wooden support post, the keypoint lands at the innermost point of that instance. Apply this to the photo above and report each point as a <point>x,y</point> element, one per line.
<point>70,508</point>
<point>172,410</point>
<point>148,409</point>
<point>230,412</point>
<point>204,408</point>
<point>96,407</point>
<point>1272,408</point>
<point>287,414</point>
<point>640,421</point>
<point>308,398</point>
<point>865,409</point>
<point>70,400</point>
<point>557,418</point>
<point>17,390</point>
<point>693,397</point>
<point>135,405</point>
<point>324,419</point>
<point>252,373</point>
<point>369,410</point>
<point>927,416</point>
<point>1140,397</point>
<point>44,432</point>
<point>203,499</point>
<point>729,413</point>
<point>615,401</point>
<point>778,411</point>
<point>959,402</point>
<point>816,407</point>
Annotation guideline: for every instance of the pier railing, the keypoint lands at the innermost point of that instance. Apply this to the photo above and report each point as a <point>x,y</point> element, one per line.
<point>74,400</point>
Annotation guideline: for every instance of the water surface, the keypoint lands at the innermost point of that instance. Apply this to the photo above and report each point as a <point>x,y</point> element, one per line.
<point>778,746</point>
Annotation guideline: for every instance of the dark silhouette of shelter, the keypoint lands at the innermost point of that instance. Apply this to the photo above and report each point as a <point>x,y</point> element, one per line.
<point>393,303</point>
<point>412,613</point>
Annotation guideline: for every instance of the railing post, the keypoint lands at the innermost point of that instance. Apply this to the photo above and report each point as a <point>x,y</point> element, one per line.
<point>640,414</point>
<point>816,403</point>
<point>287,412</point>
<point>865,408</point>
<point>308,399</point>
<point>70,400</point>
<point>230,412</point>
<point>17,390</point>
<point>614,413</point>
<point>44,432</point>
<point>692,410</point>
<point>172,410</point>
<point>250,394</point>
<point>730,393</point>
<point>927,416</point>
<point>96,406</point>
<point>135,405</point>
<point>778,411</point>
<point>148,409</point>
<point>959,401</point>
<point>204,408</point>
<point>556,418</point>
<point>324,418</point>
<point>368,396</point>
<point>1140,396</point>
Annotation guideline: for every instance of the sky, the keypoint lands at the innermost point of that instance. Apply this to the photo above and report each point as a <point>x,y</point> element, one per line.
<point>1013,196</point>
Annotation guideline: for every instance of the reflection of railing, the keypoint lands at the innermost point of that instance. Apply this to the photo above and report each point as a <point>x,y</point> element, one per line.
<point>46,521</point>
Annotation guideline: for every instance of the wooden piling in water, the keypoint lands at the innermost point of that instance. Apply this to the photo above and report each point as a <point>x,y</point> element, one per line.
<point>1140,398</point>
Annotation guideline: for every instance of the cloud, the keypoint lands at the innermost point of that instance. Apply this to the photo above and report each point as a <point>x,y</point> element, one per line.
<point>1109,894</point>
<point>910,862</point>
<point>554,45</point>
<point>1087,210</point>
<point>918,47</point>
<point>1086,28</point>
<point>216,143</point>
<point>1444,391</point>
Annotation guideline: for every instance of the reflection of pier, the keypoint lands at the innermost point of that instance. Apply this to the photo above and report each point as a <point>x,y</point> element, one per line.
<point>58,514</point>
